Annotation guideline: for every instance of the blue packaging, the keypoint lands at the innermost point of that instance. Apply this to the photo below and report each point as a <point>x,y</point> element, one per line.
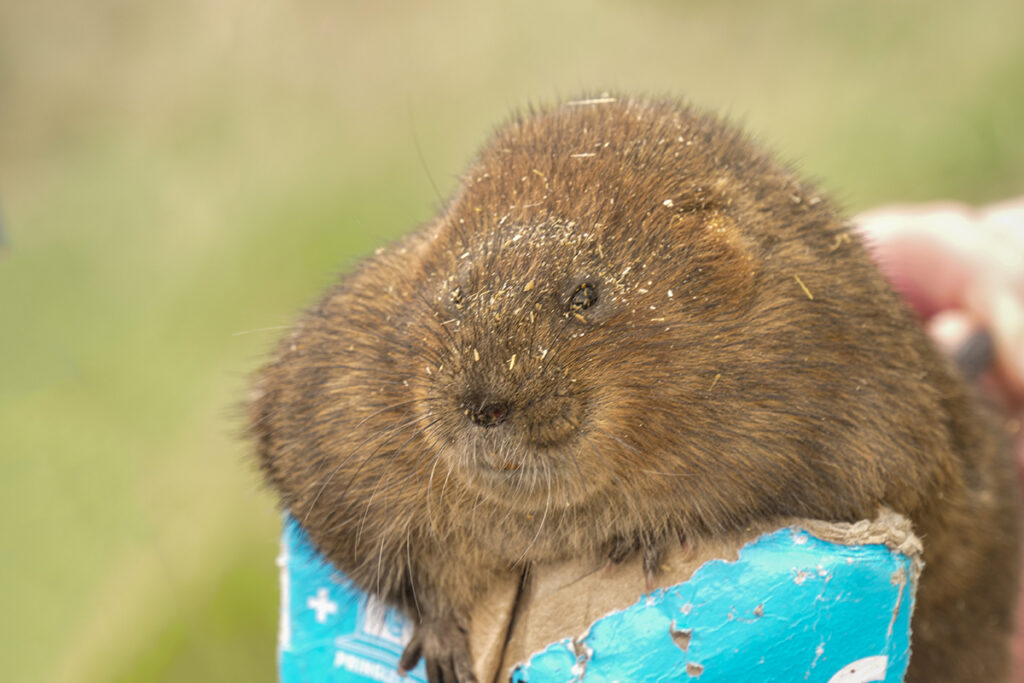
<point>791,607</point>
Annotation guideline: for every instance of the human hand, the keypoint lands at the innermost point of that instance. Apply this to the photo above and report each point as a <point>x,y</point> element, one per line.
<point>962,269</point>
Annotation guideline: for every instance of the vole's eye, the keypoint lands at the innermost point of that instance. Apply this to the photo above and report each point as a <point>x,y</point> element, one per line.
<point>456,297</point>
<point>583,298</point>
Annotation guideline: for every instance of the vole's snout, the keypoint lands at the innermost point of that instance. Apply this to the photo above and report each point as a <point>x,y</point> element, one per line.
<point>487,413</point>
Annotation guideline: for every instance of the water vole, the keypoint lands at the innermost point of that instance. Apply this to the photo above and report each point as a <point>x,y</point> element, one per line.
<point>629,325</point>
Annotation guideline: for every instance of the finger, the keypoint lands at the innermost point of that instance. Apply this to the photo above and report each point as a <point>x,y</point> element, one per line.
<point>1002,312</point>
<point>445,670</point>
<point>410,656</point>
<point>621,549</point>
<point>961,338</point>
<point>950,329</point>
<point>434,672</point>
<point>935,253</point>
<point>975,355</point>
<point>462,664</point>
<point>950,256</point>
<point>929,254</point>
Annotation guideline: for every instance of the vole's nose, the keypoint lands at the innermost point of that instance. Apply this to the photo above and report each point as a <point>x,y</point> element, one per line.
<point>489,414</point>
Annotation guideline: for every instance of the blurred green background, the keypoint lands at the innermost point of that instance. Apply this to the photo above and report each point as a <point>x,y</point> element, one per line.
<point>177,179</point>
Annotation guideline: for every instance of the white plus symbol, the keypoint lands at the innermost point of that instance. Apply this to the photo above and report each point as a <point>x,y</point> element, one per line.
<point>322,605</point>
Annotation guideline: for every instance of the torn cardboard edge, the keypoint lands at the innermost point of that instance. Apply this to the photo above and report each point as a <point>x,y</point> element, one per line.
<point>562,601</point>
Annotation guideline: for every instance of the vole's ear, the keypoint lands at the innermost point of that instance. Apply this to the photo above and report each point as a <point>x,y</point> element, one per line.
<point>722,263</point>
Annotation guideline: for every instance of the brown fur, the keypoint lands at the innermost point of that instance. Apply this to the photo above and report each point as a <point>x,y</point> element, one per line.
<point>743,360</point>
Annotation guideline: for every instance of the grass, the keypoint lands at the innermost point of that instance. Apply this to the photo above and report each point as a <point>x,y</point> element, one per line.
<point>176,178</point>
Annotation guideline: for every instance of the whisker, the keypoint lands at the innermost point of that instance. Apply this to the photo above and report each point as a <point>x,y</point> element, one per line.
<point>543,519</point>
<point>386,408</point>
<point>393,431</point>
<point>380,562</point>
<point>373,494</point>
<point>430,487</point>
<point>408,564</point>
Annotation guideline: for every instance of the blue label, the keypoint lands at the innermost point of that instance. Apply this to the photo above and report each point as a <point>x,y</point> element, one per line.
<point>331,632</point>
<point>791,608</point>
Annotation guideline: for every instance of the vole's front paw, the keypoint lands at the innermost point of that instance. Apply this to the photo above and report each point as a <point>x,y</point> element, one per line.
<point>444,644</point>
<point>651,548</point>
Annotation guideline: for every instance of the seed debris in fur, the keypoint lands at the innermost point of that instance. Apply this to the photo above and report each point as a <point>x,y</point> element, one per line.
<point>840,241</point>
<point>803,286</point>
<point>591,101</point>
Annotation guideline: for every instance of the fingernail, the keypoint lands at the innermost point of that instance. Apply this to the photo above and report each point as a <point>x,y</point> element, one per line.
<point>950,329</point>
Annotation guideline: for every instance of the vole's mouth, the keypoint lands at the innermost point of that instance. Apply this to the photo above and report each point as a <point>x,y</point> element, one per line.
<point>501,457</point>
<point>506,438</point>
<point>514,467</point>
<point>518,474</point>
<point>503,463</point>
